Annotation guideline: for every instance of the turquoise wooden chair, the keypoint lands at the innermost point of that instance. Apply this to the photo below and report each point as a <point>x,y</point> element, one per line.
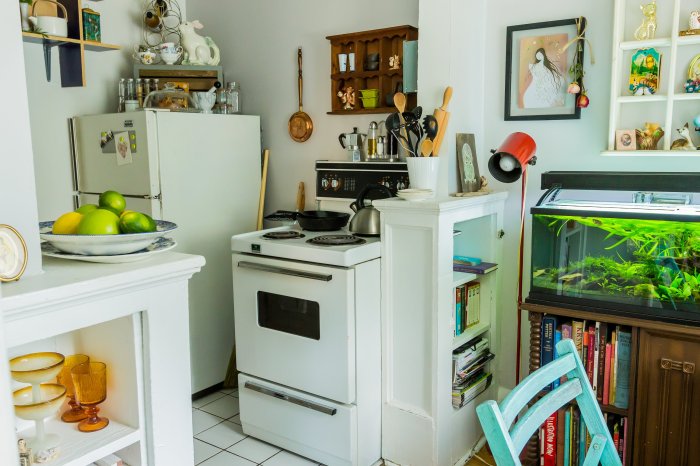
<point>506,442</point>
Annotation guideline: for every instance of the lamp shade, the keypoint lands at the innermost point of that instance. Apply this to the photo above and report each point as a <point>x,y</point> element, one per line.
<point>509,160</point>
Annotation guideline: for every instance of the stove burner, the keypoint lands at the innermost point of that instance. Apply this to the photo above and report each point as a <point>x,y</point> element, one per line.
<point>290,234</point>
<point>336,240</point>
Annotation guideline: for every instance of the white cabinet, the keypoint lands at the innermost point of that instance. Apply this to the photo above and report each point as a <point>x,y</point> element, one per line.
<point>670,106</point>
<point>419,424</point>
<point>133,317</point>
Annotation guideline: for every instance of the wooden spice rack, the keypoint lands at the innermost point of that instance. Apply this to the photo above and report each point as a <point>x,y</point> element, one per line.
<point>385,42</point>
<point>71,49</point>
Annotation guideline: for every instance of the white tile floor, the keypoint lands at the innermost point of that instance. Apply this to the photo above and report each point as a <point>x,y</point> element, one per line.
<point>220,441</point>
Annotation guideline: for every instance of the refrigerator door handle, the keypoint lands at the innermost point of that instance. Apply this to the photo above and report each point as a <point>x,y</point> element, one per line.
<point>130,196</point>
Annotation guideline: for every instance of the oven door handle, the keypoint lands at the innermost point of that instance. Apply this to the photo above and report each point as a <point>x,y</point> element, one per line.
<point>284,271</point>
<point>292,399</point>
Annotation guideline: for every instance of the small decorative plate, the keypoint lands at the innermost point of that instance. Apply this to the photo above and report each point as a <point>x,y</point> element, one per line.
<point>13,254</point>
<point>415,194</point>
<point>160,245</point>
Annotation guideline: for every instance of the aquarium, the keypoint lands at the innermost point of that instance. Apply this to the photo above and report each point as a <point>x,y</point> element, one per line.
<point>627,252</point>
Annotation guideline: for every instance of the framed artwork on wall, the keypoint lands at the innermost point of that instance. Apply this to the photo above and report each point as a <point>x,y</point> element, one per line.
<point>538,59</point>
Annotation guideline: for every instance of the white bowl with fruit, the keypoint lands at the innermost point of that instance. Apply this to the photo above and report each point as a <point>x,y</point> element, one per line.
<point>104,230</point>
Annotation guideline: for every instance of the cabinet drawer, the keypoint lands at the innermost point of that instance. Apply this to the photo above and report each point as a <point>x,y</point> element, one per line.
<point>307,425</point>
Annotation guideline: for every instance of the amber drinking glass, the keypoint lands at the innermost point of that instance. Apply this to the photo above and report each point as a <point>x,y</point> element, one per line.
<point>75,413</point>
<point>90,382</point>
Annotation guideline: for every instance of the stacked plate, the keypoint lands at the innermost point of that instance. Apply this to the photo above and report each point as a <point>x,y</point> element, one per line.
<point>415,194</point>
<point>107,248</point>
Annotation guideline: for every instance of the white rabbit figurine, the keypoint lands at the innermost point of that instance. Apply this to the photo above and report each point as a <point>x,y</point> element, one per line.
<point>199,50</point>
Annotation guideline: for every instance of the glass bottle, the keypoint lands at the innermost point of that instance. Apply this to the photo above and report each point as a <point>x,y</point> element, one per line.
<point>130,89</point>
<point>139,91</point>
<point>372,139</point>
<point>155,84</point>
<point>233,97</point>
<point>221,106</point>
<point>122,95</point>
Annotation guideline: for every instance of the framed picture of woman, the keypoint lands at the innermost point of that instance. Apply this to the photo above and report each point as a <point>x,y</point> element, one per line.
<point>538,57</point>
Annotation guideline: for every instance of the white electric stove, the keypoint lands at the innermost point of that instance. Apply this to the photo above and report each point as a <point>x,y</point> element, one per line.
<point>308,342</point>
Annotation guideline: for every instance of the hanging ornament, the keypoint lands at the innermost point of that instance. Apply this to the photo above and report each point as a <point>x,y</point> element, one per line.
<point>576,71</point>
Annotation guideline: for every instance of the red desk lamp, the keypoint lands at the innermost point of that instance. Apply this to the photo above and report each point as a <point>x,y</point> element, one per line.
<point>507,164</point>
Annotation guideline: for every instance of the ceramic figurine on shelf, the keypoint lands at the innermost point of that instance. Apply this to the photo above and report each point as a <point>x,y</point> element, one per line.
<point>694,20</point>
<point>647,30</point>
<point>685,142</point>
<point>649,137</point>
<point>199,50</point>
<point>394,62</point>
<point>347,97</point>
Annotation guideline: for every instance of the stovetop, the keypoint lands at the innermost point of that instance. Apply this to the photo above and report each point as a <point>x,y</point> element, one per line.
<point>309,246</point>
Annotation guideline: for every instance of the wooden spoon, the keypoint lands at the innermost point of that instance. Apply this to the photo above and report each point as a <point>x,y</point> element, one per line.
<point>400,103</point>
<point>426,147</point>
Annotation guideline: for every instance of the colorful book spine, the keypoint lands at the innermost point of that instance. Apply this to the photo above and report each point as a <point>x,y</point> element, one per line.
<point>549,324</point>
<point>622,391</point>
<point>582,443</point>
<point>458,310</point>
<point>624,442</point>
<point>567,437</point>
<point>567,331</point>
<point>557,339</point>
<point>596,357</point>
<point>577,327</point>
<point>606,376</point>
<point>602,341</point>
<point>591,354</point>
<point>613,365</point>
<point>550,440</point>
<point>560,436</point>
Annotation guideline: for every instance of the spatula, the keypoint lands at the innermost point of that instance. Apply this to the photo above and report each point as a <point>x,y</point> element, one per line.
<point>442,116</point>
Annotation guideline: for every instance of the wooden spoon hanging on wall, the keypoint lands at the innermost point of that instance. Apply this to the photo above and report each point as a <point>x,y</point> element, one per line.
<point>300,124</point>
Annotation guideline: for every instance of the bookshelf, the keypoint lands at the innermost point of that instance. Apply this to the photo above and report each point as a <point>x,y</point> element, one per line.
<point>419,423</point>
<point>663,394</point>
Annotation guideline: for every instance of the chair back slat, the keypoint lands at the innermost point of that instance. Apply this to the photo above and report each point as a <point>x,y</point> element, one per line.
<point>533,385</point>
<point>540,411</point>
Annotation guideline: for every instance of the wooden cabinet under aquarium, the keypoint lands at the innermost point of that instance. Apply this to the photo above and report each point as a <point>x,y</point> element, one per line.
<point>616,267</point>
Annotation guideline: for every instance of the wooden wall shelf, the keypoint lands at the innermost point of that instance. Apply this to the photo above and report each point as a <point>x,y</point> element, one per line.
<point>384,42</point>
<point>71,49</point>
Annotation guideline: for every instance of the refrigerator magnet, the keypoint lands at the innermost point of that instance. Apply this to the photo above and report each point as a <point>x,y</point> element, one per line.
<point>123,148</point>
<point>13,254</point>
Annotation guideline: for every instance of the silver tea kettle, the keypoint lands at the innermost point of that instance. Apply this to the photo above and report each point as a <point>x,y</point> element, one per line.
<point>365,222</point>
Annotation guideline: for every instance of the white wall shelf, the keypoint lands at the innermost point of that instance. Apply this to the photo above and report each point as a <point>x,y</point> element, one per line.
<point>671,107</point>
<point>419,424</point>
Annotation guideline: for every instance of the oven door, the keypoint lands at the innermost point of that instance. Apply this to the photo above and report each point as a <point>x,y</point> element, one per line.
<point>295,324</point>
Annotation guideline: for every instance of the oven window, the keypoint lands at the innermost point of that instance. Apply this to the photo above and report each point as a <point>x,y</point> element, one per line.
<point>289,315</point>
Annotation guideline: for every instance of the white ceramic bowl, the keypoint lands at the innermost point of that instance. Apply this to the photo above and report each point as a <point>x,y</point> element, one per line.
<point>104,245</point>
<point>36,367</point>
<point>52,396</point>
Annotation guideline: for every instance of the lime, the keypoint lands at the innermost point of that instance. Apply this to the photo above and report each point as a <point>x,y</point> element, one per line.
<point>124,213</point>
<point>67,224</point>
<point>87,208</point>
<point>99,222</point>
<point>136,222</point>
<point>154,225</point>
<point>112,200</point>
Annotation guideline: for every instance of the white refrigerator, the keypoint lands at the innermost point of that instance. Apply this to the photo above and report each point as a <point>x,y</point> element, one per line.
<point>201,172</point>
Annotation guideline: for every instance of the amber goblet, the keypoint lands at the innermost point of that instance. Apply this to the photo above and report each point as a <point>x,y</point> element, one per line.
<point>75,413</point>
<point>90,382</point>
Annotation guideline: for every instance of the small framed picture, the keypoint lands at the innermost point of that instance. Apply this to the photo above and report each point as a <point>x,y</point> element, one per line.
<point>468,168</point>
<point>625,139</point>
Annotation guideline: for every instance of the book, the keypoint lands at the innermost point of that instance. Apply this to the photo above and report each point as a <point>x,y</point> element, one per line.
<point>591,354</point>
<point>594,369</point>
<point>575,420</point>
<point>606,376</point>
<point>549,324</point>
<point>624,441</point>
<point>480,269</point>
<point>458,310</point>
<point>560,436</point>
<point>582,443</point>
<point>566,331</point>
<point>567,436</point>
<point>577,327</point>
<point>602,341</point>
<point>557,339</point>
<point>550,440</point>
<point>622,390</point>
<point>613,363</point>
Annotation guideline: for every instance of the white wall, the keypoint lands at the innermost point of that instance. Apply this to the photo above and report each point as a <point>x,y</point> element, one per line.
<point>259,41</point>
<point>51,105</point>
<point>17,191</point>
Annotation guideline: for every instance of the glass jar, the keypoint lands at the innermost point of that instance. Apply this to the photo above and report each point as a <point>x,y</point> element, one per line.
<point>221,99</point>
<point>233,97</point>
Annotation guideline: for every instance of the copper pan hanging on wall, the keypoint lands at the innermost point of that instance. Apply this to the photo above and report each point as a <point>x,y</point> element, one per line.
<point>300,124</point>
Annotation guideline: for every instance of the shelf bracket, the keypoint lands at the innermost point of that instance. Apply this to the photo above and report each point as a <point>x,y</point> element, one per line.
<point>47,59</point>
